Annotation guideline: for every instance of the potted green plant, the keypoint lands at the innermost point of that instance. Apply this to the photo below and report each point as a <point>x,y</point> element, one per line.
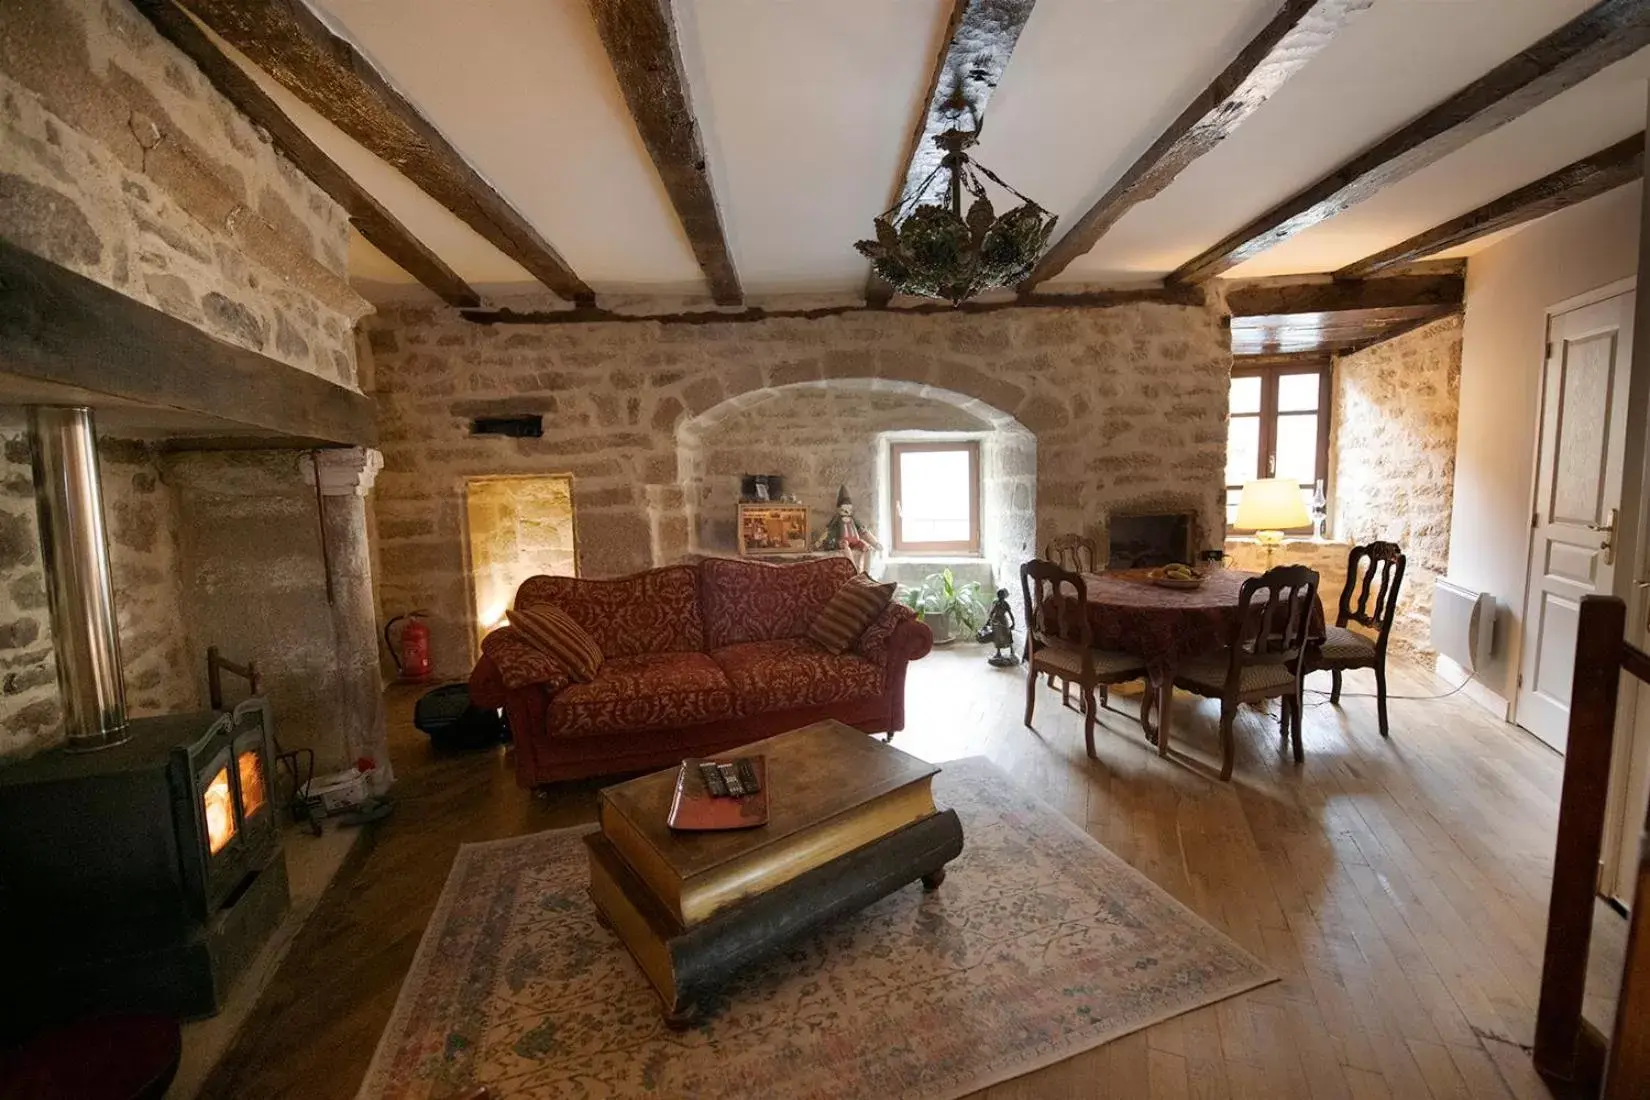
<point>947,607</point>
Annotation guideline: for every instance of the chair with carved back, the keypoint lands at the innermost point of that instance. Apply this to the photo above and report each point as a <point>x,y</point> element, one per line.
<point>1374,569</point>
<point>1059,641</point>
<point>1075,554</point>
<point>1263,660</point>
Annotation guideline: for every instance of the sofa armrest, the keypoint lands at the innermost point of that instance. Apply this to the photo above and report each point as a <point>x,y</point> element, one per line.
<point>897,636</point>
<point>487,685</point>
<point>516,662</point>
<point>912,640</point>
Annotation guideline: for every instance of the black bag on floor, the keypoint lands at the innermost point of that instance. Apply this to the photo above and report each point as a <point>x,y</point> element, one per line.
<point>447,715</point>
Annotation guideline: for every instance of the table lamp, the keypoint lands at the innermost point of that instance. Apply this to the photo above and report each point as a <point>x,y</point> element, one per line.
<point>1269,507</point>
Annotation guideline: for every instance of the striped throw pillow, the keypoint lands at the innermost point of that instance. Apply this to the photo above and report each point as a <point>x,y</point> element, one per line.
<point>853,608</point>
<point>554,631</point>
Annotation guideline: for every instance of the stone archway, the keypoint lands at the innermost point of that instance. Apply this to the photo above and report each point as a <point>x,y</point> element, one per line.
<point>825,432</point>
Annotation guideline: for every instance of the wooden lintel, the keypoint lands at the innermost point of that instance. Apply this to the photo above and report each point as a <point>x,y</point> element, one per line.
<point>1332,296</point>
<point>1607,32</point>
<point>1279,359</point>
<point>1621,163</point>
<point>1295,35</point>
<point>290,42</point>
<point>640,36</point>
<point>368,216</point>
<point>979,38</point>
<point>1094,299</point>
<point>60,327</point>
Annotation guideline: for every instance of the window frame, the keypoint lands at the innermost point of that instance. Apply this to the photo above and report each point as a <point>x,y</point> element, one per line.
<point>969,547</point>
<point>1267,447</point>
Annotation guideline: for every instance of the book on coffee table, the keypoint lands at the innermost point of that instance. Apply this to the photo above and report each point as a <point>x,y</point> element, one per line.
<point>694,808</point>
<point>830,789</point>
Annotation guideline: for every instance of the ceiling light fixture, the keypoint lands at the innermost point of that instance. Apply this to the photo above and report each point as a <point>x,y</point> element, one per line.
<point>935,249</point>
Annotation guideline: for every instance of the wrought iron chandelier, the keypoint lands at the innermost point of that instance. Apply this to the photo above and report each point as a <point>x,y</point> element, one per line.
<point>937,250</point>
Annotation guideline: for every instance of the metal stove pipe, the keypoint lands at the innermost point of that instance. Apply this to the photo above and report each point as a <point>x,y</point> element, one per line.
<point>69,498</point>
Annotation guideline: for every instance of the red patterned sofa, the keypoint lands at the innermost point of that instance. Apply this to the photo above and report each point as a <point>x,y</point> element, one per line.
<point>697,659</point>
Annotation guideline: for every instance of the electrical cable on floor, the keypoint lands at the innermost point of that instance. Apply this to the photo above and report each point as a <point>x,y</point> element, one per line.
<point>1371,694</point>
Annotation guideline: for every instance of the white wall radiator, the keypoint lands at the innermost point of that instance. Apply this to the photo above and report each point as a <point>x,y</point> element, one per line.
<point>1463,624</point>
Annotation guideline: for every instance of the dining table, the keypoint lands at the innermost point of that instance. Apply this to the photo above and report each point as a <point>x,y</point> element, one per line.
<point>1129,612</point>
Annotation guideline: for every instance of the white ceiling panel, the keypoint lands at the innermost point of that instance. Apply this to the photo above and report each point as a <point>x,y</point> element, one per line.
<point>806,107</point>
<point>1092,84</point>
<point>1392,63</point>
<point>1583,120</point>
<point>524,90</point>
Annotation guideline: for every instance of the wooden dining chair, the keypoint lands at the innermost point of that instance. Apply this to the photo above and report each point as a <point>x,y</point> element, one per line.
<point>1263,660</point>
<point>1059,641</point>
<point>1377,569</point>
<point>1075,553</point>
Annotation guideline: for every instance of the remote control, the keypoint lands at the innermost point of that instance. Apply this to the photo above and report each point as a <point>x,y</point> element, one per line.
<point>747,775</point>
<point>730,776</point>
<point>714,782</point>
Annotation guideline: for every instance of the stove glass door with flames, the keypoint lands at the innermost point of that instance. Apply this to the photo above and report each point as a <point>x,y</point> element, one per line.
<point>249,770</point>
<point>218,805</point>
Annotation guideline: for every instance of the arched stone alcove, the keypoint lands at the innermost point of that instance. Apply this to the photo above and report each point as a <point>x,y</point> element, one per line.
<point>826,433</point>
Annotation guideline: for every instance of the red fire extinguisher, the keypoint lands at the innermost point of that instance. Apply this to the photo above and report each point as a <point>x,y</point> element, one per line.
<point>412,660</point>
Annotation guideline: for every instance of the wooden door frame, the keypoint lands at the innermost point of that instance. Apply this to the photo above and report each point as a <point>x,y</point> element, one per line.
<point>1532,497</point>
<point>1632,566</point>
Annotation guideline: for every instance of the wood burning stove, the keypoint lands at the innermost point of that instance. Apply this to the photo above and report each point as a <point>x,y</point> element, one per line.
<point>140,861</point>
<point>145,875</point>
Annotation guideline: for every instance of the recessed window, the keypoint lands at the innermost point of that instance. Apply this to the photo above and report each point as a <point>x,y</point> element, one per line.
<point>936,495</point>
<point>1279,427</point>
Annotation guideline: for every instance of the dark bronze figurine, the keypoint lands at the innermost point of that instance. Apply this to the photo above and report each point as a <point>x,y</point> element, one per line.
<point>999,631</point>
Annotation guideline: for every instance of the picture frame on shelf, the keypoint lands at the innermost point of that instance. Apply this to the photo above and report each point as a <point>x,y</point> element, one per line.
<point>767,530</point>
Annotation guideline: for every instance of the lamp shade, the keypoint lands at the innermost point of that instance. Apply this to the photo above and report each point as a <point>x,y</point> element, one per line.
<point>1271,504</point>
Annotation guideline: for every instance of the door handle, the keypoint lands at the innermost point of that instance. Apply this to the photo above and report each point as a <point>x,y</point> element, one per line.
<point>1608,530</point>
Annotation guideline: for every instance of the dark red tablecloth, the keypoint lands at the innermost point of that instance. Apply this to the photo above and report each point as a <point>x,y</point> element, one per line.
<point>1166,626</point>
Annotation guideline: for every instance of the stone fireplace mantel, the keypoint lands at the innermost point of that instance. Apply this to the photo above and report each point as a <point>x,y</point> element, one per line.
<point>345,471</point>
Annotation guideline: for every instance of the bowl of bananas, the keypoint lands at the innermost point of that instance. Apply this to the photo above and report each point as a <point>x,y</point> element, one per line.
<point>1177,575</point>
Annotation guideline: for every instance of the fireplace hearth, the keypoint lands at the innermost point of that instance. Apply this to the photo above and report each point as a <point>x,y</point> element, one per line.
<point>146,875</point>
<point>1148,540</point>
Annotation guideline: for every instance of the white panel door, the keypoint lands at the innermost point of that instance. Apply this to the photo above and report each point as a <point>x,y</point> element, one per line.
<point>1578,492</point>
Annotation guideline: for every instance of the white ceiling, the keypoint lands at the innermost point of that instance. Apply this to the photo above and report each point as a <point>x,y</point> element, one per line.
<point>805,109</point>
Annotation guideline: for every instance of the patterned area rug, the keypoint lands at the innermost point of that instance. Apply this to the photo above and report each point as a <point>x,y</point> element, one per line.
<point>1040,944</point>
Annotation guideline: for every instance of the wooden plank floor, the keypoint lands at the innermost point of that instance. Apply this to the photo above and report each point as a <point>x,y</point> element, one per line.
<point>1399,887</point>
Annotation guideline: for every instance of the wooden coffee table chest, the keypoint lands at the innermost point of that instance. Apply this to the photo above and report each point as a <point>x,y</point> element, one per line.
<point>850,820</point>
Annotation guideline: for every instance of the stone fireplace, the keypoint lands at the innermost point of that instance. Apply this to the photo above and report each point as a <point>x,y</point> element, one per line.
<point>1146,539</point>
<point>167,268</point>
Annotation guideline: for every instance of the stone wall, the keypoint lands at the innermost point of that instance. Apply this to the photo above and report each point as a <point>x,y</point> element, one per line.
<point>818,438</point>
<point>1393,459</point>
<point>141,514</point>
<point>119,161</point>
<point>1127,406</point>
<point>250,540</point>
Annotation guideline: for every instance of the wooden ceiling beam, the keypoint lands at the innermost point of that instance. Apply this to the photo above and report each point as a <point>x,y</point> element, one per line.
<point>1607,32</point>
<point>368,216</point>
<point>640,36</point>
<point>1336,296</point>
<point>1320,316</point>
<point>979,38</point>
<point>291,43</point>
<point>1621,163</point>
<point>1295,35</point>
